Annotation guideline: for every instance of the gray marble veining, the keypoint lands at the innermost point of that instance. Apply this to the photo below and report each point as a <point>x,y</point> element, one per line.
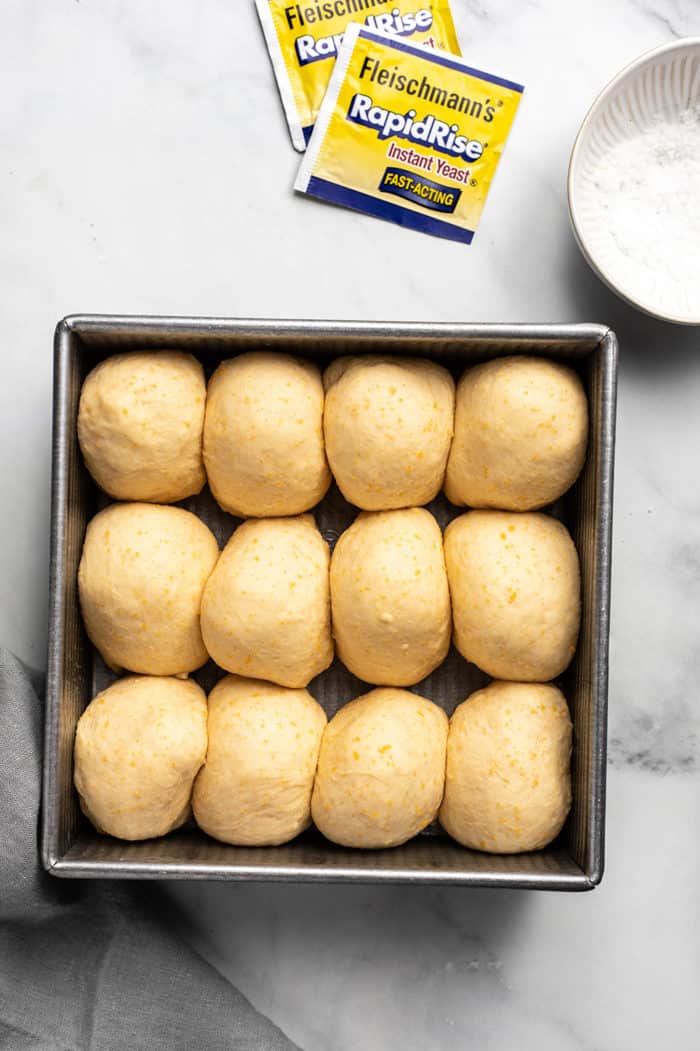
<point>145,167</point>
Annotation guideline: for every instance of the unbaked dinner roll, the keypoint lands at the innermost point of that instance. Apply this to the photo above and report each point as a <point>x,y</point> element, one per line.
<point>141,578</point>
<point>388,425</point>
<point>263,435</point>
<point>381,769</point>
<point>516,593</point>
<point>255,787</point>
<point>266,606</point>
<point>389,597</point>
<point>508,780</point>
<point>140,425</point>
<point>521,430</point>
<point>138,747</point>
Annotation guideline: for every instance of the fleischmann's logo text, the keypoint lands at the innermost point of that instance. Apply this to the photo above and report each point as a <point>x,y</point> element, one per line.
<point>373,70</point>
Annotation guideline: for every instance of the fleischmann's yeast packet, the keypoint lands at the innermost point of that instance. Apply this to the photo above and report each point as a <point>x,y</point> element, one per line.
<point>303,40</point>
<point>408,134</point>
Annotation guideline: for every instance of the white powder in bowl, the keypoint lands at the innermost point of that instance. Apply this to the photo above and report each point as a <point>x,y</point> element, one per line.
<point>649,190</point>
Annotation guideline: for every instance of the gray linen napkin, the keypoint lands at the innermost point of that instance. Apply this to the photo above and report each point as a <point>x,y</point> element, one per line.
<point>94,965</point>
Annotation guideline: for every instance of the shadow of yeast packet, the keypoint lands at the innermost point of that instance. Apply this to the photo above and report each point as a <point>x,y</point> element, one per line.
<point>304,38</point>
<point>408,134</point>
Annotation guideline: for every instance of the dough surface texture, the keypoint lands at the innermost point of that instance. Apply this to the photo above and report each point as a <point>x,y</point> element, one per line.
<point>141,578</point>
<point>516,593</point>
<point>255,787</point>
<point>266,606</point>
<point>388,426</point>
<point>508,780</point>
<point>381,770</point>
<point>263,435</point>
<point>521,432</point>
<point>138,747</point>
<point>389,597</point>
<point>140,423</point>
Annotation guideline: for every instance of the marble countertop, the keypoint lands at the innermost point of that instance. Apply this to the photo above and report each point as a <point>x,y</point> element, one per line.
<point>146,168</point>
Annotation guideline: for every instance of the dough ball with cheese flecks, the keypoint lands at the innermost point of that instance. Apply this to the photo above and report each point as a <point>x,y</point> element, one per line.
<point>508,778</point>
<point>521,431</point>
<point>516,593</point>
<point>141,579</point>
<point>388,426</point>
<point>255,787</point>
<point>263,435</point>
<point>138,747</point>
<point>266,606</point>
<point>381,770</point>
<point>389,597</point>
<point>140,424</point>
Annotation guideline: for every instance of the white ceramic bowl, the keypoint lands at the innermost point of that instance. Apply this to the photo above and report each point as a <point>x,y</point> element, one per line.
<point>659,85</point>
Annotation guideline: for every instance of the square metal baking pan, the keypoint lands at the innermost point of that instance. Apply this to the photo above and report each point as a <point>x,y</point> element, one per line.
<point>71,848</point>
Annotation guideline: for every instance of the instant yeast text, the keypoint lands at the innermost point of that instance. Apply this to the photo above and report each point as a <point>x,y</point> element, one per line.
<point>304,39</point>
<point>409,134</point>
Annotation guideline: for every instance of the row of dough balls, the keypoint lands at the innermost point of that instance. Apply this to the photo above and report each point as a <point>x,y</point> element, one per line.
<point>269,425</point>
<point>259,762</point>
<point>158,598</point>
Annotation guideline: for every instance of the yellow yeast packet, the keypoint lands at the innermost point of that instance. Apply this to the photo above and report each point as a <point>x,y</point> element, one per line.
<point>304,38</point>
<point>409,134</point>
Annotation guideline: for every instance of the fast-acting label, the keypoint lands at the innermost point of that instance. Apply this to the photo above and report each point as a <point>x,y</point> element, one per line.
<point>304,39</point>
<point>409,134</point>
